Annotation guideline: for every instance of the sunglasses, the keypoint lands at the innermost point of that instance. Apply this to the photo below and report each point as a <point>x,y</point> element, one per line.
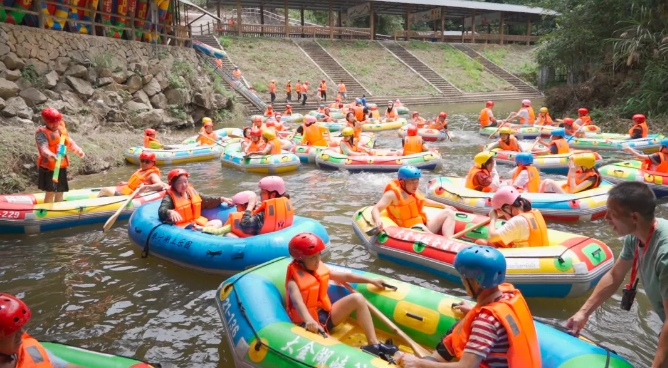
<point>145,161</point>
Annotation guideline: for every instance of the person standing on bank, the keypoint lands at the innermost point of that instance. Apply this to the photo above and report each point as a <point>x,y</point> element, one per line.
<point>631,207</point>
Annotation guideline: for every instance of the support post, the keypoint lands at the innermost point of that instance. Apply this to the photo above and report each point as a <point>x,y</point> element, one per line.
<point>502,28</point>
<point>528,31</point>
<point>92,11</point>
<point>287,23</point>
<point>301,16</point>
<point>262,19</point>
<point>372,21</point>
<point>463,28</point>
<point>442,24</point>
<point>330,18</point>
<point>220,25</point>
<point>473,26</point>
<point>37,6</point>
<point>338,19</point>
<point>407,24</point>
<point>239,18</point>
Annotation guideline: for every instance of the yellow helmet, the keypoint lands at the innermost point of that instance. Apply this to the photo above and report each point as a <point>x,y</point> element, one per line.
<point>206,120</point>
<point>505,130</point>
<point>587,160</point>
<point>481,158</point>
<point>543,109</point>
<point>347,132</point>
<point>269,134</point>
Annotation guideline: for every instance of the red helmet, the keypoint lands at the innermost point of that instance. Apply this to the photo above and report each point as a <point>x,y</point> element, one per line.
<point>443,115</point>
<point>271,123</point>
<point>149,131</point>
<point>14,314</point>
<point>175,174</point>
<point>412,130</point>
<point>147,156</point>
<point>288,107</point>
<point>639,118</point>
<point>489,103</point>
<point>51,115</point>
<point>305,245</point>
<point>583,111</point>
<point>323,80</point>
<point>415,113</point>
<point>568,121</point>
<point>255,132</point>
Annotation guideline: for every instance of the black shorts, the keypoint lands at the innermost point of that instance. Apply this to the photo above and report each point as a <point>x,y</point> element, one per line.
<point>440,347</point>
<point>45,180</point>
<point>325,319</point>
<point>492,124</point>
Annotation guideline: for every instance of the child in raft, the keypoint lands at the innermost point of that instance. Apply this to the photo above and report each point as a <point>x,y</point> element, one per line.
<point>311,308</point>
<point>582,175</point>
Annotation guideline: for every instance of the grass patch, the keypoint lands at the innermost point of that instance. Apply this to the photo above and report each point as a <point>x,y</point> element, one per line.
<point>517,59</point>
<point>378,70</point>
<point>459,69</point>
<point>263,59</point>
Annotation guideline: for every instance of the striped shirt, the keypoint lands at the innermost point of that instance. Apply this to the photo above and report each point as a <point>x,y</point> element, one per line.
<point>489,336</point>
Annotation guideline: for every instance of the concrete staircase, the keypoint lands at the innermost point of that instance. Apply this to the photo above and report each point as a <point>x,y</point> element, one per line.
<point>424,71</point>
<point>501,73</point>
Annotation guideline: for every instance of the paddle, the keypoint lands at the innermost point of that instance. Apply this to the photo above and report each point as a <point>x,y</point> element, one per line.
<point>576,133</point>
<point>474,227</point>
<point>112,219</point>
<point>501,124</point>
<point>61,154</point>
<point>419,350</point>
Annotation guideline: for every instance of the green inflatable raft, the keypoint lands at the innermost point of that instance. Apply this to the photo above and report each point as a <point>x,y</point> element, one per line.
<point>93,359</point>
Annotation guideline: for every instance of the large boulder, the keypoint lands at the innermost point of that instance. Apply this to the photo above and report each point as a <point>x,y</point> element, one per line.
<point>72,102</point>
<point>12,61</point>
<point>16,106</point>
<point>121,77</point>
<point>153,118</point>
<point>205,98</point>
<point>23,83</point>
<point>11,75</point>
<point>8,89</point>
<point>4,49</point>
<point>141,97</point>
<point>134,83</point>
<point>134,106</point>
<point>77,70</point>
<point>159,101</point>
<point>110,98</point>
<point>152,88</point>
<point>104,81</point>
<point>51,79</point>
<point>177,96</point>
<point>61,64</point>
<point>61,86</point>
<point>32,96</point>
<point>80,86</point>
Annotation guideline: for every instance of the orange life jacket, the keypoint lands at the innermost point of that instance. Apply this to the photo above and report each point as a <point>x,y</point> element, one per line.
<point>278,214</point>
<point>580,177</point>
<point>323,87</point>
<point>409,212</point>
<point>472,183</point>
<point>420,122</point>
<point>313,136</point>
<point>351,147</point>
<point>537,228</point>
<point>298,88</point>
<point>255,146</point>
<point>573,129</point>
<point>272,87</point>
<point>485,117</point>
<point>586,120</point>
<point>359,113</point>
<point>436,124</point>
<point>544,120</point>
<point>208,139</point>
<point>533,185</point>
<point>342,88</point>
<point>561,144</point>
<point>32,354</point>
<point>188,206</point>
<point>511,146</point>
<point>515,316</point>
<point>237,74</point>
<point>288,88</point>
<point>53,140</point>
<point>139,177</point>
<point>532,116</point>
<point>276,146</point>
<point>412,145</point>
<point>643,126</point>
<point>661,167</point>
<point>313,288</point>
<point>288,112</point>
<point>148,140</point>
<point>268,112</point>
<point>391,114</point>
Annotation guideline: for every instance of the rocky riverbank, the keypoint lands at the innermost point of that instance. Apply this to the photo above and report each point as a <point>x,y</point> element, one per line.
<point>108,90</point>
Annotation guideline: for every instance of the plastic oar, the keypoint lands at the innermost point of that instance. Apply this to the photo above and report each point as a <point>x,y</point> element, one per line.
<point>112,219</point>
<point>576,133</point>
<point>474,227</point>
<point>61,153</point>
<point>419,350</point>
<point>500,126</point>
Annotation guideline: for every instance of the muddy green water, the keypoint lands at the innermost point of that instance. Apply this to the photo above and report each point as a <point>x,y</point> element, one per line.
<point>101,295</point>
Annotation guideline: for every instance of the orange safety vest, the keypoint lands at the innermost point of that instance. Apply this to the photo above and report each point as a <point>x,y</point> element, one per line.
<point>298,88</point>
<point>359,113</point>
<point>515,316</point>
<point>580,177</point>
<point>208,139</point>
<point>32,354</point>
<point>342,88</point>
<point>438,125</point>
<point>643,126</point>
<point>420,122</point>
<point>278,214</point>
<point>313,136</point>
<point>53,140</point>
<point>288,88</point>
<point>532,116</point>
<point>268,112</point>
<point>148,140</point>
<point>471,182</point>
<point>586,120</point>
<point>544,120</point>
<point>288,112</point>
<point>412,145</point>
<point>537,228</point>
<point>139,177</point>
<point>189,207</point>
<point>313,288</point>
<point>511,146</point>
<point>533,185</point>
<point>276,146</point>
<point>272,87</point>
<point>351,147</point>
<point>661,167</point>
<point>562,146</point>
<point>255,146</point>
<point>485,117</point>
<point>323,87</point>
<point>391,114</point>
<point>409,212</point>
<point>573,129</point>
<point>237,74</point>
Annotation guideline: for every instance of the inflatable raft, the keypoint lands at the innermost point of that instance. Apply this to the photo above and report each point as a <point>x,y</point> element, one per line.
<point>382,161</point>
<point>583,206</point>
<point>568,267</point>
<point>260,334</point>
<point>631,171</point>
<point>307,154</point>
<point>28,214</point>
<point>377,125</point>
<point>533,131</point>
<point>93,359</point>
<point>183,154</point>
<point>212,253</point>
<point>223,133</point>
<point>542,159</point>
<point>335,114</point>
<point>292,119</point>
<point>427,134</point>
<point>649,144</point>
<point>268,164</point>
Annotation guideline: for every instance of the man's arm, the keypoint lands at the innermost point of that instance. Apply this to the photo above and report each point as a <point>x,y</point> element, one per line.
<point>385,200</point>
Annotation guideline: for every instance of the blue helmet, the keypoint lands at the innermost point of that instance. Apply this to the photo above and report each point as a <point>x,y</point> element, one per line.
<point>664,142</point>
<point>484,264</point>
<point>357,100</point>
<point>559,132</point>
<point>524,158</point>
<point>409,172</point>
<point>323,106</point>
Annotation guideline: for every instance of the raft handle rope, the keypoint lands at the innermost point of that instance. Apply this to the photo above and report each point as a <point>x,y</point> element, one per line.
<point>154,365</point>
<point>532,201</point>
<point>144,252</point>
<point>81,208</point>
<point>414,316</point>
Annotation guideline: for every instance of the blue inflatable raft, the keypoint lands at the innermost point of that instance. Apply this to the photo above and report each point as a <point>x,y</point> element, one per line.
<point>211,253</point>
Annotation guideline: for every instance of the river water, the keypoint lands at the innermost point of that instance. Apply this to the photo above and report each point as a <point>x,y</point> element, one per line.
<point>98,293</point>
